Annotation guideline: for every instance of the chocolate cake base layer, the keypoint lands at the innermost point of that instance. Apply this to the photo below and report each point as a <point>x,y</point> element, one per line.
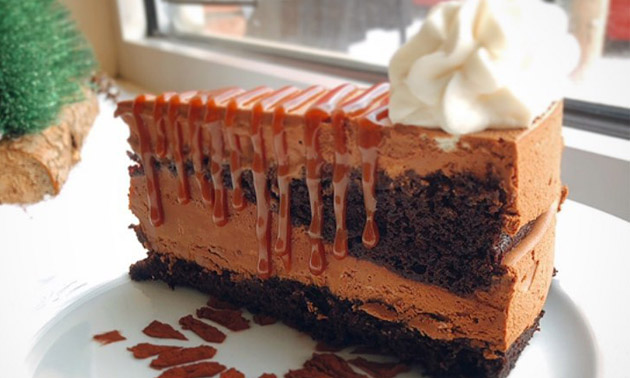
<point>448,231</point>
<point>333,320</point>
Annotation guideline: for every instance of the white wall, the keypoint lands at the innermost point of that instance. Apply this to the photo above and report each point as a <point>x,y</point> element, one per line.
<point>96,20</point>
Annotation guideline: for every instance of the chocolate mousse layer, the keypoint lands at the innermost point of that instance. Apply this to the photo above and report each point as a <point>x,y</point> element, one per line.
<point>441,209</point>
<point>495,316</point>
<point>442,230</point>
<point>337,322</point>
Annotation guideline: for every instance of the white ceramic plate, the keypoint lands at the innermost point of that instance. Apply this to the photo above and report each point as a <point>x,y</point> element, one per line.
<point>565,346</point>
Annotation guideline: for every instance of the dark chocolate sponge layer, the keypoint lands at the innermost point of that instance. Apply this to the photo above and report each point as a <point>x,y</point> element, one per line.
<point>317,312</point>
<point>443,230</point>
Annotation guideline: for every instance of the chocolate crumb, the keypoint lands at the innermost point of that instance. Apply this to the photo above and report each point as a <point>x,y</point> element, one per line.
<point>161,330</point>
<point>145,350</point>
<point>379,369</point>
<point>203,330</point>
<point>198,370</point>
<point>264,320</point>
<point>109,337</point>
<point>325,365</point>
<point>232,373</point>
<point>183,356</point>
<point>231,319</point>
<point>218,304</point>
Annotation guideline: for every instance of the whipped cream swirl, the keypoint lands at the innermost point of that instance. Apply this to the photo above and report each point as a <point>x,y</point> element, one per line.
<point>482,64</point>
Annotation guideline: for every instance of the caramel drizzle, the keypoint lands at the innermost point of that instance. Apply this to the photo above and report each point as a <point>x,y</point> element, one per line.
<point>159,113</point>
<point>205,131</point>
<point>156,212</point>
<point>319,112</point>
<point>282,246</point>
<point>259,169</point>
<point>341,172</point>
<point>369,138</point>
<point>217,151</point>
<point>236,170</point>
<point>196,114</point>
<point>174,135</point>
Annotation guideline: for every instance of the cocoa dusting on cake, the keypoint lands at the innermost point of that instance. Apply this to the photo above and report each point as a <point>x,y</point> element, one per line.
<point>109,337</point>
<point>232,373</point>
<point>379,369</point>
<point>146,350</point>
<point>268,375</point>
<point>197,370</point>
<point>231,319</point>
<point>205,331</point>
<point>264,320</point>
<point>182,356</point>
<point>161,330</point>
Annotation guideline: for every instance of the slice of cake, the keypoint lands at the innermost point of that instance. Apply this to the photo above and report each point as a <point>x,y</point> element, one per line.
<point>314,207</point>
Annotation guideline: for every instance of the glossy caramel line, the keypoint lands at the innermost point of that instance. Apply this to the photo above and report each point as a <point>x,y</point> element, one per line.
<point>205,127</point>
<point>146,155</point>
<point>319,112</point>
<point>341,172</point>
<point>259,170</point>
<point>174,141</point>
<point>236,170</point>
<point>369,138</point>
<point>213,123</point>
<point>196,115</point>
<point>282,246</point>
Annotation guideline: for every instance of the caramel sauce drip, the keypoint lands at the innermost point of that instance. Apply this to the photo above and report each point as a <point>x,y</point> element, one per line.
<point>236,170</point>
<point>202,130</point>
<point>146,155</point>
<point>159,114</point>
<point>369,138</point>
<point>213,122</point>
<point>282,246</point>
<point>196,115</point>
<point>341,172</point>
<point>174,136</point>
<point>259,169</point>
<point>319,112</point>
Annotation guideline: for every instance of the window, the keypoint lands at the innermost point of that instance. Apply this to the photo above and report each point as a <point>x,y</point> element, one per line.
<point>363,34</point>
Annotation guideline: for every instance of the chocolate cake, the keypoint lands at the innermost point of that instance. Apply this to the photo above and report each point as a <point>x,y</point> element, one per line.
<point>310,206</point>
<point>417,218</point>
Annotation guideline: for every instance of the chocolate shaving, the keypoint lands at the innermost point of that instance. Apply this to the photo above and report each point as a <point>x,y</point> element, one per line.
<point>203,330</point>
<point>264,320</point>
<point>198,370</point>
<point>323,347</point>
<point>231,319</point>
<point>221,305</point>
<point>183,356</point>
<point>109,337</point>
<point>232,373</point>
<point>161,330</point>
<point>145,350</point>
<point>379,369</point>
<point>325,365</point>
